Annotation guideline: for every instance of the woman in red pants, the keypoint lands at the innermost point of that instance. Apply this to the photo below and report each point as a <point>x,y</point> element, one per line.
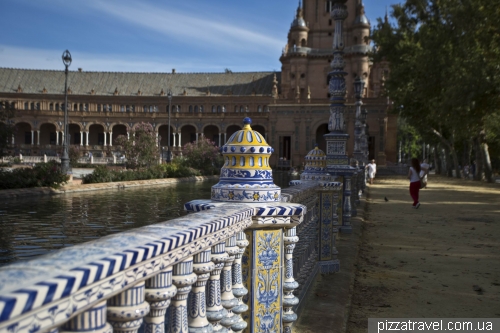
<point>414,176</point>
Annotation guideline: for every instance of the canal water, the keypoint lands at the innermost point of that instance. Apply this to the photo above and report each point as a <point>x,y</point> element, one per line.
<point>37,225</point>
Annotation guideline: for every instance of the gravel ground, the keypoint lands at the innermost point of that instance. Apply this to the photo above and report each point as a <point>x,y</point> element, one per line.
<point>439,261</point>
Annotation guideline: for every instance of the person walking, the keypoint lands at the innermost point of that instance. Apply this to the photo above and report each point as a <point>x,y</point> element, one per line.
<point>372,170</point>
<point>424,171</point>
<point>414,177</point>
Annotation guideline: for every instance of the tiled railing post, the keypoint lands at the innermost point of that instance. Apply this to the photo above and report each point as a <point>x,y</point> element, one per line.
<point>329,194</point>
<point>92,320</point>
<point>159,291</point>
<point>289,285</point>
<point>228,299</point>
<point>126,310</point>
<point>346,226</point>
<point>239,289</point>
<point>183,278</point>
<point>215,310</point>
<point>198,322</point>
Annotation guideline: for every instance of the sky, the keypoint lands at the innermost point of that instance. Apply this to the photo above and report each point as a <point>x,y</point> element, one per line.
<point>150,35</point>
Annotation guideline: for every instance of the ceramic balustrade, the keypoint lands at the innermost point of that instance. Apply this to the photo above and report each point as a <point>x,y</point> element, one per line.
<point>117,282</point>
<point>198,321</point>
<point>159,292</point>
<point>215,310</point>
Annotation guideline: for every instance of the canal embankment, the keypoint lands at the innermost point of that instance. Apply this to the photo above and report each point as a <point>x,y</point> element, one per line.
<point>76,186</point>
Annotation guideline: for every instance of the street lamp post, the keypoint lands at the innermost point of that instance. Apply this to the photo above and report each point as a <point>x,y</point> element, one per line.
<point>169,95</point>
<point>66,58</point>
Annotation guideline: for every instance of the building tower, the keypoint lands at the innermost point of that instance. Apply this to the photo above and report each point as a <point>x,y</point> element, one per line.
<point>294,83</point>
<point>360,35</point>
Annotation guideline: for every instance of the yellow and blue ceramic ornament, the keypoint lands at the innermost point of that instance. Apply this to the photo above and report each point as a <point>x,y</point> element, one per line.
<point>246,175</point>
<point>315,168</point>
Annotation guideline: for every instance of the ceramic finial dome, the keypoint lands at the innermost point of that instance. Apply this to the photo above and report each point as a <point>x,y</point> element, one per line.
<point>246,175</point>
<point>315,168</point>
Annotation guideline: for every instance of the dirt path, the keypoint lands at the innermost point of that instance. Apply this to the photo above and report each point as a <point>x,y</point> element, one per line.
<point>442,260</point>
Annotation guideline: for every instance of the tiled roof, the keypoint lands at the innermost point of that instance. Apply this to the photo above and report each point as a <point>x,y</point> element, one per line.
<point>129,84</point>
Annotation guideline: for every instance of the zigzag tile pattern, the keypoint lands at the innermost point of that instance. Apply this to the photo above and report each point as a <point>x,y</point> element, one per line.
<point>42,292</point>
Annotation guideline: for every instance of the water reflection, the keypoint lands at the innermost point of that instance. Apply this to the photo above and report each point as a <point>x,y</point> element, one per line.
<point>38,225</point>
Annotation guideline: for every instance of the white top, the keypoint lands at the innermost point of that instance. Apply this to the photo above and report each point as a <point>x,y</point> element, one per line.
<point>414,177</point>
<point>372,169</point>
<point>423,173</point>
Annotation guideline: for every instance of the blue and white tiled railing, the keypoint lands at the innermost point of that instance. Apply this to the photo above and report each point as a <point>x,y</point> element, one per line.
<point>190,274</point>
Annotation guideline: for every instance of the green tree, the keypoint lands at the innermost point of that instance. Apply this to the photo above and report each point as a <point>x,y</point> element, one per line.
<point>203,156</point>
<point>445,69</point>
<point>141,150</point>
<point>7,129</point>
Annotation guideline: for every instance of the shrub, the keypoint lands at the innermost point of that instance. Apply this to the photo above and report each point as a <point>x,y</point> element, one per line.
<point>203,156</point>
<point>42,174</point>
<point>104,174</point>
<point>141,148</point>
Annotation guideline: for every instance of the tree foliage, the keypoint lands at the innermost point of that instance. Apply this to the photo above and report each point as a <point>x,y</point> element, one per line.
<point>141,149</point>
<point>7,129</point>
<point>203,156</point>
<point>444,60</point>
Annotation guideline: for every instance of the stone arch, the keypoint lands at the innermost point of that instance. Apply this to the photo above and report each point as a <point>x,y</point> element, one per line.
<point>188,133</point>
<point>96,133</point>
<point>320,131</point>
<point>23,132</point>
<point>118,130</point>
<point>74,132</point>
<point>48,133</point>
<point>163,133</point>
<point>212,132</point>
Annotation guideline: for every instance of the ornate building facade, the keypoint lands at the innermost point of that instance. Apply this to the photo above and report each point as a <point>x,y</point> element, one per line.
<point>289,108</point>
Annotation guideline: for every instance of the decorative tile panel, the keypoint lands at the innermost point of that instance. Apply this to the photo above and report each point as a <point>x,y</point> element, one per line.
<point>267,280</point>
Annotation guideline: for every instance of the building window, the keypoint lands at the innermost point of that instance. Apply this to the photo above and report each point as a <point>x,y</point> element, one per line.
<point>122,108</point>
<point>26,106</point>
<point>242,109</point>
<point>98,107</point>
<point>145,108</point>
<point>58,108</point>
<point>190,108</point>
<point>201,108</point>
<point>51,106</point>
<point>86,107</point>
<point>32,106</point>
<point>214,109</point>
<point>259,108</point>
<point>219,109</point>
<point>128,108</point>
<point>196,109</point>
<point>75,107</point>
<point>178,108</point>
<point>132,108</point>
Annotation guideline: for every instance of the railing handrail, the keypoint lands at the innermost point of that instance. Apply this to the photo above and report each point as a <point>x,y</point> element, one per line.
<point>81,276</point>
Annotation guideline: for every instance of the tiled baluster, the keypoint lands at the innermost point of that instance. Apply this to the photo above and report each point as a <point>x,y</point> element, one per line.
<point>239,289</point>
<point>215,310</point>
<point>93,320</point>
<point>228,299</point>
<point>198,322</point>
<point>126,310</point>
<point>183,278</point>
<point>289,285</point>
<point>159,291</point>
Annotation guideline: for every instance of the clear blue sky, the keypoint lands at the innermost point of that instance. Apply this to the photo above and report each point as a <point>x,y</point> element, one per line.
<point>150,35</point>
